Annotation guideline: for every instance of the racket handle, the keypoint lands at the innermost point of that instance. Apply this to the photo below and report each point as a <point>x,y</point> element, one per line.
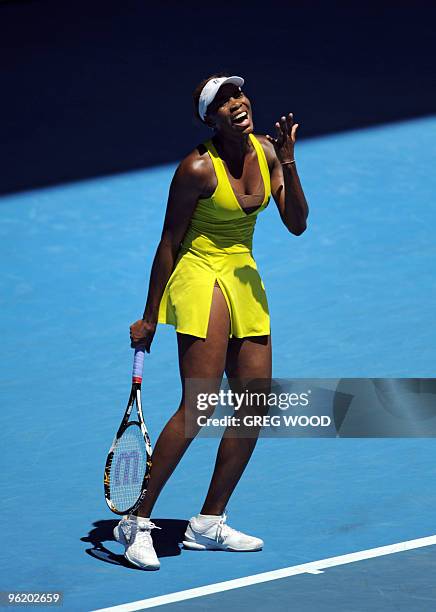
<point>138,365</point>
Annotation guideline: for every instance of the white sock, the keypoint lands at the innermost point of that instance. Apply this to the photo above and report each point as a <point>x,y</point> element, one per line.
<point>208,519</point>
<point>133,517</point>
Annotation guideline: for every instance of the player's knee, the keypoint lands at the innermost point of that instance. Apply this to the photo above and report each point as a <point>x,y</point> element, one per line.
<point>196,407</point>
<point>194,416</point>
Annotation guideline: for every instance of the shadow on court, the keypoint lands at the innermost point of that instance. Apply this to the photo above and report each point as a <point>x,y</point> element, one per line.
<point>166,540</point>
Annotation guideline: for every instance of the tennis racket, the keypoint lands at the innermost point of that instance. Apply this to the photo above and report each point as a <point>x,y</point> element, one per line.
<point>128,463</point>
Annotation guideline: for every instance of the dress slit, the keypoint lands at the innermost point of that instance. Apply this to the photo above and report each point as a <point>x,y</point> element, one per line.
<point>217,283</point>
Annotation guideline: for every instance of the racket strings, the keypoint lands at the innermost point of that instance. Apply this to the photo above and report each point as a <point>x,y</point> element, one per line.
<point>129,464</point>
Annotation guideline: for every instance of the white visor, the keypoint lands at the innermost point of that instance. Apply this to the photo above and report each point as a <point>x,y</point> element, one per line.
<point>210,90</point>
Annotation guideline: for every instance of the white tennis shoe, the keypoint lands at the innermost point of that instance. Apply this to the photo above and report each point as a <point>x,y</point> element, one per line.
<point>212,533</point>
<point>134,533</point>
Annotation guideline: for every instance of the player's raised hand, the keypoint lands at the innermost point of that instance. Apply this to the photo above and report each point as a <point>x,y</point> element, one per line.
<point>286,131</point>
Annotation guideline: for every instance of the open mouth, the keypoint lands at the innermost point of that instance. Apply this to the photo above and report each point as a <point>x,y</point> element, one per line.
<point>241,118</point>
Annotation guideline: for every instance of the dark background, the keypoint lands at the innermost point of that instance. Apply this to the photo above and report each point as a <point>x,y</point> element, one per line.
<point>94,87</point>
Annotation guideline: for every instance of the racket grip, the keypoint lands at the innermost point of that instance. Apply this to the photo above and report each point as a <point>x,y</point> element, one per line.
<point>138,365</point>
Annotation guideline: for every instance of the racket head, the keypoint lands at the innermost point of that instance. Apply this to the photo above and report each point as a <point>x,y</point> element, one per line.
<point>128,464</point>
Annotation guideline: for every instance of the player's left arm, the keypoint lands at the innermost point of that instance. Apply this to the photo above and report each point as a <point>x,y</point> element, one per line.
<point>286,187</point>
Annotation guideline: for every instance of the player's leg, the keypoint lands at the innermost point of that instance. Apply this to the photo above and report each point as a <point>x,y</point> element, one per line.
<point>198,358</point>
<point>249,366</point>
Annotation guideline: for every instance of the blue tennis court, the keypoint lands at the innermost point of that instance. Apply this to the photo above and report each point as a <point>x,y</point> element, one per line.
<point>352,297</point>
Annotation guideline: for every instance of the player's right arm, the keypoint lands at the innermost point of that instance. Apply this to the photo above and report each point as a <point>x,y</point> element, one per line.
<point>187,186</point>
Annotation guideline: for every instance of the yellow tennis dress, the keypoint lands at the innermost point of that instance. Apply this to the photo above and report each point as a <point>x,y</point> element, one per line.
<point>217,246</point>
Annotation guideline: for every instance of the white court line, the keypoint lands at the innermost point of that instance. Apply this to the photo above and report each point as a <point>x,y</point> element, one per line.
<point>314,567</point>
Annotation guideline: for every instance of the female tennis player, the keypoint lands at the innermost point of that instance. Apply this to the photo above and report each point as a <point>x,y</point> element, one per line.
<point>205,282</point>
